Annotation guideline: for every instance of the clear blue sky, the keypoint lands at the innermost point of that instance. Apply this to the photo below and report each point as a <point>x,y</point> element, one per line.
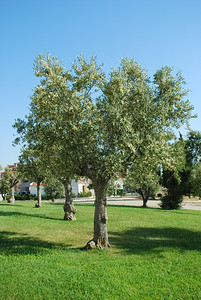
<point>154,32</point>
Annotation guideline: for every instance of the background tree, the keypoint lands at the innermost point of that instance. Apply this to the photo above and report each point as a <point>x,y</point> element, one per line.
<point>192,146</point>
<point>145,181</point>
<point>171,177</point>
<point>8,183</point>
<point>54,188</point>
<point>195,179</point>
<point>4,186</point>
<point>31,168</point>
<point>173,198</point>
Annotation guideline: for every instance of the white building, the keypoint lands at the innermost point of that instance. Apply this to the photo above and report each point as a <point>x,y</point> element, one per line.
<point>81,186</point>
<point>33,189</point>
<point>78,186</point>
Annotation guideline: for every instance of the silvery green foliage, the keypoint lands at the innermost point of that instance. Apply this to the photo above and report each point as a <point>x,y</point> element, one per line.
<point>103,123</point>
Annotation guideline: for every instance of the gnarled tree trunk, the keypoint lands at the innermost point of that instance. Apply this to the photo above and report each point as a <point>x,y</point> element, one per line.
<point>100,238</point>
<point>69,208</point>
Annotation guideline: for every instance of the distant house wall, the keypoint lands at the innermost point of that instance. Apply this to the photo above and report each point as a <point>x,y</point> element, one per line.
<point>119,183</point>
<point>80,186</point>
<point>33,189</point>
<point>24,187</point>
<point>75,187</point>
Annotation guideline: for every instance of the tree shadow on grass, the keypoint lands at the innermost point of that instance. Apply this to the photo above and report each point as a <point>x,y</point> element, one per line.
<point>10,204</point>
<point>154,240</point>
<point>55,203</point>
<point>160,210</point>
<point>134,207</point>
<point>15,213</point>
<point>13,243</point>
<point>37,213</point>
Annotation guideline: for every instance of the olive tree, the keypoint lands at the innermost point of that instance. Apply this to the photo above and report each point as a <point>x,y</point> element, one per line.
<point>101,124</point>
<point>31,168</point>
<point>132,117</point>
<point>7,184</point>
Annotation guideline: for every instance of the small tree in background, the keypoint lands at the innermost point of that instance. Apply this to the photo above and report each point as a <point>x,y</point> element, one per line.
<point>173,198</point>
<point>4,186</point>
<point>54,189</point>
<point>144,175</point>
<point>193,146</point>
<point>172,177</point>
<point>192,158</point>
<point>145,183</point>
<point>8,183</point>
<point>31,168</point>
<point>195,179</point>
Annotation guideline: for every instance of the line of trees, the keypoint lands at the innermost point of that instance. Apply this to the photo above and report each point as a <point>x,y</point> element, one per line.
<point>84,123</point>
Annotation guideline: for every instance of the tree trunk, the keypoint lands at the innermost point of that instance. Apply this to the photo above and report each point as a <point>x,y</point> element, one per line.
<point>100,239</point>
<point>69,208</point>
<point>12,195</point>
<point>39,203</point>
<point>145,197</point>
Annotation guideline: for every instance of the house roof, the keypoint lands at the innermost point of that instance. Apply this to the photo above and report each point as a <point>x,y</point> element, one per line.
<point>35,184</point>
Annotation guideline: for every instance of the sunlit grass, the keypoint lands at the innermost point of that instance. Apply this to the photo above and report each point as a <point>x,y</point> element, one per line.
<point>154,254</point>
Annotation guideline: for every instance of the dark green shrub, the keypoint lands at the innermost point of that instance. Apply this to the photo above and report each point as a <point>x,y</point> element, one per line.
<point>45,197</point>
<point>84,194</point>
<point>21,197</point>
<point>173,198</point>
<point>8,197</point>
<point>33,197</point>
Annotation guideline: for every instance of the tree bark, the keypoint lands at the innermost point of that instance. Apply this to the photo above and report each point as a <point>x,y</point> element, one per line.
<point>69,209</point>
<point>13,182</point>
<point>145,197</point>
<point>39,203</point>
<point>12,195</point>
<point>100,238</point>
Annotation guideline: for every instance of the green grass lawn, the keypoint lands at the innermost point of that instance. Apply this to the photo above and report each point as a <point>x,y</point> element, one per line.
<point>154,254</point>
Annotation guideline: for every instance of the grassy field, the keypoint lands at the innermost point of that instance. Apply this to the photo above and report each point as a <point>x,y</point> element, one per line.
<point>154,254</point>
